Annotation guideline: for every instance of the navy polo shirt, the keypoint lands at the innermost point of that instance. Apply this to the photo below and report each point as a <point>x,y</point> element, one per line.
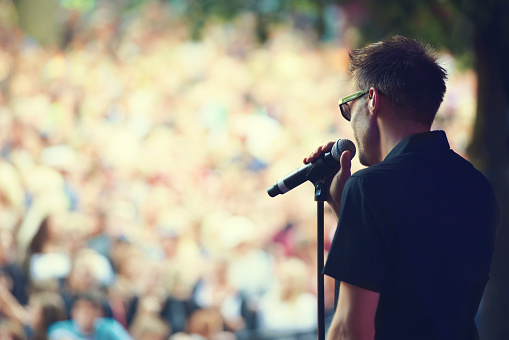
<point>419,229</point>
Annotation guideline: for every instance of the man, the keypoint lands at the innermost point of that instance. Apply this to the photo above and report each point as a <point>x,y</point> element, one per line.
<point>415,234</point>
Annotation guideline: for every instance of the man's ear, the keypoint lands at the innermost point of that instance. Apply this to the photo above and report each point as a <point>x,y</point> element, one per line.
<point>374,100</point>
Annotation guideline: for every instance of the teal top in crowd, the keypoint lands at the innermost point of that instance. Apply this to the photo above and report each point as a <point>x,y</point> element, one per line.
<point>104,329</point>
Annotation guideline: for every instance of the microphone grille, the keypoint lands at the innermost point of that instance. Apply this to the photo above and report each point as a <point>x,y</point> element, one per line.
<point>340,146</point>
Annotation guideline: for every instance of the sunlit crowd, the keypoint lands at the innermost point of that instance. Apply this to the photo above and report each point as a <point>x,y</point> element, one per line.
<point>134,168</point>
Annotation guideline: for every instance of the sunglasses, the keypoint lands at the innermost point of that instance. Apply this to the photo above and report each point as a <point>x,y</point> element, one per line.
<point>345,108</point>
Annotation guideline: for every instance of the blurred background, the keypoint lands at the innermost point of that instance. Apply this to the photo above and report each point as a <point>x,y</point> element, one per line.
<point>138,139</point>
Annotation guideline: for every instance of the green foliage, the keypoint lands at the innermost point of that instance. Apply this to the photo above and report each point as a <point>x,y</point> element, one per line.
<point>79,5</point>
<point>442,23</point>
<point>198,12</point>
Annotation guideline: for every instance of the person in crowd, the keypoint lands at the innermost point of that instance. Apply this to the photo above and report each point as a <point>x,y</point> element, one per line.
<point>12,274</point>
<point>87,322</point>
<point>10,308</point>
<point>99,240</point>
<point>11,331</point>
<point>12,208</point>
<point>216,291</point>
<point>208,324</point>
<point>44,308</point>
<point>153,328</point>
<point>289,306</point>
<point>47,257</point>
<point>90,271</point>
<point>415,235</point>
<point>150,298</point>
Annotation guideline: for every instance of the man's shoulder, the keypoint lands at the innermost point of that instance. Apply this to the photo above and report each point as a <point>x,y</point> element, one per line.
<point>417,164</point>
<point>364,181</point>
<point>375,173</point>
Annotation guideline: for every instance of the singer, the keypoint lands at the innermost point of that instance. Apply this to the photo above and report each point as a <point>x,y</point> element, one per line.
<point>415,235</point>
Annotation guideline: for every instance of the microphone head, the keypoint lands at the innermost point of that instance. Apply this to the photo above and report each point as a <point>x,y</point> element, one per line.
<point>340,146</point>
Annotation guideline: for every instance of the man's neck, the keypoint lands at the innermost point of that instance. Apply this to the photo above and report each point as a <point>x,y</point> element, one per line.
<point>392,134</point>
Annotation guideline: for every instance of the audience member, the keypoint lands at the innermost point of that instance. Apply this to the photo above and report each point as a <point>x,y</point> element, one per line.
<point>12,275</point>
<point>87,322</point>
<point>43,310</point>
<point>289,306</point>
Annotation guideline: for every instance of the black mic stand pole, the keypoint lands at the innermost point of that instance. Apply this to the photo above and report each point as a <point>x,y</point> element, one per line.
<point>320,198</point>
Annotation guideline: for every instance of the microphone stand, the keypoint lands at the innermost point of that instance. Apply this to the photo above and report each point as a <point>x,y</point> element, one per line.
<point>320,198</point>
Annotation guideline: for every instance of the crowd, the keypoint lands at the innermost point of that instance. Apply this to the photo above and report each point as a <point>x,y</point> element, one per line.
<point>133,175</point>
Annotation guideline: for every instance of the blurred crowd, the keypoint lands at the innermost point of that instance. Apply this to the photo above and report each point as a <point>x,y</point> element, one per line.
<point>133,175</point>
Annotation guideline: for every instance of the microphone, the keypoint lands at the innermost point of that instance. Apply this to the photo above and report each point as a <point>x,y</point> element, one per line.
<point>315,171</point>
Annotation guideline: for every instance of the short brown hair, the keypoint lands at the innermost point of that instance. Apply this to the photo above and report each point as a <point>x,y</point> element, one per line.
<point>404,70</point>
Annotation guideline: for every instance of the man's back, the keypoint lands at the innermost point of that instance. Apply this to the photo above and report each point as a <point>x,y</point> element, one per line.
<point>423,220</point>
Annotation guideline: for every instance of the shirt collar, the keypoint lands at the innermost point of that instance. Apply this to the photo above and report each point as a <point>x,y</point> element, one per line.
<point>419,142</point>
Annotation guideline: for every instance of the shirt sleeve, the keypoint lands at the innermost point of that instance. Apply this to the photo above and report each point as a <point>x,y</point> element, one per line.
<point>359,254</point>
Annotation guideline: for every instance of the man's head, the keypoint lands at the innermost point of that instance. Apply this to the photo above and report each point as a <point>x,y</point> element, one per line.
<point>402,87</point>
<point>404,71</point>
